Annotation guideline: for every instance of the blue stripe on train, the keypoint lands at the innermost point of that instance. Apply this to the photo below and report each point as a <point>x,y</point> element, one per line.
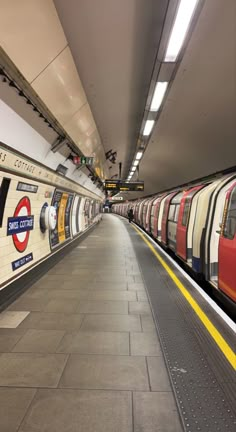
<point>196,264</point>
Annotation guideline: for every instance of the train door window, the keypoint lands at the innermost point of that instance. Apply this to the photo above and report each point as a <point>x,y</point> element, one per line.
<point>177,207</point>
<point>187,206</point>
<point>171,215</point>
<point>230,223</point>
<point>152,222</point>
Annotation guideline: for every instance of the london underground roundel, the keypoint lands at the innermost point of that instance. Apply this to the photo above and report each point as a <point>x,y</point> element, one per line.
<point>22,212</point>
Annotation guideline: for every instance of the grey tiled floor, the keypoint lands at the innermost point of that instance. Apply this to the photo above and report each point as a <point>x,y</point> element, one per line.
<point>87,357</point>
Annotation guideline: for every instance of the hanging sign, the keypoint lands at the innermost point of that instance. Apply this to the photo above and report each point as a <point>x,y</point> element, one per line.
<point>83,160</point>
<point>119,185</point>
<point>114,198</point>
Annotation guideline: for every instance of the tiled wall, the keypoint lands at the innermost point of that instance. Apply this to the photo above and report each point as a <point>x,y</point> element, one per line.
<point>38,244</point>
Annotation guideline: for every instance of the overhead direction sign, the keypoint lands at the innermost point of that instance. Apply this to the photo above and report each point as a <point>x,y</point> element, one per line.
<point>83,160</point>
<point>122,186</point>
<point>116,198</point>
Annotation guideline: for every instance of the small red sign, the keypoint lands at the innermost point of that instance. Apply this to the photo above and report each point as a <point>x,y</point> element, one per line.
<point>76,160</point>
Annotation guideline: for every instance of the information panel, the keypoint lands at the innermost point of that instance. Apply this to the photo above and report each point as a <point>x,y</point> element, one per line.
<point>119,185</point>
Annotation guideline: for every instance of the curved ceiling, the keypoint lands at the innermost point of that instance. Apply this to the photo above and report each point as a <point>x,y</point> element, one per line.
<point>114,46</point>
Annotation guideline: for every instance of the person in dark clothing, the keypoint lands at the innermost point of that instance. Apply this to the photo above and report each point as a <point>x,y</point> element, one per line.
<point>130,215</point>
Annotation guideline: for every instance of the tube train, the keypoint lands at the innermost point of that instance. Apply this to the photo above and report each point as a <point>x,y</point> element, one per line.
<point>41,212</point>
<point>199,225</point>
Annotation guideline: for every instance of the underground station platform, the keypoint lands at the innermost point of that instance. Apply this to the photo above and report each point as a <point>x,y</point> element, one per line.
<point>114,337</point>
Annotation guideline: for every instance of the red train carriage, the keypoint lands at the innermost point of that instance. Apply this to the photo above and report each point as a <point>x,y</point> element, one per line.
<point>227,246</point>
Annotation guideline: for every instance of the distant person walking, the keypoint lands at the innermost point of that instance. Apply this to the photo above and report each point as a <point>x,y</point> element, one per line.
<point>130,215</point>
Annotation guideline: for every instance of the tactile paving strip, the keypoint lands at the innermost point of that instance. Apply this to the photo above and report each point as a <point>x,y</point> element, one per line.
<point>204,396</point>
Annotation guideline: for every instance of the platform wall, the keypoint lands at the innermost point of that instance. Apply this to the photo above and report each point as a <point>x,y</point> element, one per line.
<point>26,188</point>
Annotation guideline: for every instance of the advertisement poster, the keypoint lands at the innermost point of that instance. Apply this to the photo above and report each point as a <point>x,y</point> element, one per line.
<point>54,239</point>
<point>62,202</point>
<point>77,216</point>
<point>61,218</point>
<point>67,215</point>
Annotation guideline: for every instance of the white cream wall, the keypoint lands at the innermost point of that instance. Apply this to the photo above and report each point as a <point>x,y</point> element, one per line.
<point>38,243</point>
<point>32,36</point>
<point>19,135</point>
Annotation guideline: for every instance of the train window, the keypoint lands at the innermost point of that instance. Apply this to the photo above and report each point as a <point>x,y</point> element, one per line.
<point>230,223</point>
<point>187,206</point>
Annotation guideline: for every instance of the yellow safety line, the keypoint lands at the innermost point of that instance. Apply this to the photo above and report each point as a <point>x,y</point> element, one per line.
<point>220,341</point>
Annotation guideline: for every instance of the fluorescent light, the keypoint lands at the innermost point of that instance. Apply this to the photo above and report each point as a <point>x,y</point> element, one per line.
<point>133,169</point>
<point>135,163</point>
<point>148,127</point>
<point>139,155</point>
<point>180,28</point>
<point>158,96</point>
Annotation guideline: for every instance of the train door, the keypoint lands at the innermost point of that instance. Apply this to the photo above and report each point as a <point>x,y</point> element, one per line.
<point>184,224</point>
<point>144,212</point>
<point>227,246</point>
<point>153,218</point>
<point>140,211</point>
<point>165,215</point>
<point>213,233</point>
<point>135,211</point>
<point>148,216</point>
<point>173,217</point>
<point>160,212</point>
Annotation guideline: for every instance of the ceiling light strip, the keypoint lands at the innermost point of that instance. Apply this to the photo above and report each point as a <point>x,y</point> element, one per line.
<point>148,127</point>
<point>139,155</point>
<point>158,96</point>
<point>181,25</point>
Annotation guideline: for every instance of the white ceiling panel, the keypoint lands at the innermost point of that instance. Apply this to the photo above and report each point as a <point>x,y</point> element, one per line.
<point>60,88</point>
<point>81,127</point>
<point>31,34</point>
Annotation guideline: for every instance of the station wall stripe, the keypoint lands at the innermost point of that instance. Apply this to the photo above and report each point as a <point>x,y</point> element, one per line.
<point>215,334</point>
